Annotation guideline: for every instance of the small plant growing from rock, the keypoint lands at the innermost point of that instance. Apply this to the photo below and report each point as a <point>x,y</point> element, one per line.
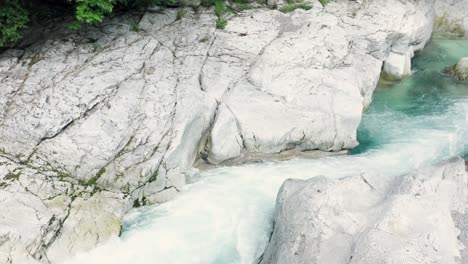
<point>241,5</point>
<point>180,14</point>
<point>154,176</point>
<point>221,23</point>
<point>291,6</point>
<point>93,180</point>
<point>220,11</point>
<point>442,23</point>
<point>12,176</point>
<point>458,30</point>
<point>324,2</point>
<point>135,26</point>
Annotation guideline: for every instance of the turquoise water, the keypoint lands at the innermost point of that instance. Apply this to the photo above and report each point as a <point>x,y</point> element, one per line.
<point>226,216</point>
<point>427,100</point>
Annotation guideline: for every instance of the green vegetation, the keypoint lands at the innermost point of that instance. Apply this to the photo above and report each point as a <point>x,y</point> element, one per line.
<point>293,6</point>
<point>15,14</point>
<point>180,14</point>
<point>138,203</point>
<point>324,2</point>
<point>220,11</point>
<point>242,5</point>
<point>134,25</point>
<point>93,11</point>
<point>13,176</point>
<point>96,177</point>
<point>13,18</point>
<point>93,180</point>
<point>442,23</point>
<point>154,176</point>
<point>221,23</point>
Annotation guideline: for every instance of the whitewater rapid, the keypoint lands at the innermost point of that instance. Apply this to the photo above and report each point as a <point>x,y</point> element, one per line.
<point>226,215</point>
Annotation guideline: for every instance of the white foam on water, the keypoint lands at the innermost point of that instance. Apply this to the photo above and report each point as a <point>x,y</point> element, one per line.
<point>226,216</point>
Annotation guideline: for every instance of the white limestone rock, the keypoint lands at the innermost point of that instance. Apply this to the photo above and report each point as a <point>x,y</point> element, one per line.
<point>371,219</point>
<point>120,113</point>
<point>451,16</point>
<point>45,218</point>
<point>91,220</point>
<point>462,69</point>
<point>226,133</point>
<point>308,87</point>
<point>397,66</point>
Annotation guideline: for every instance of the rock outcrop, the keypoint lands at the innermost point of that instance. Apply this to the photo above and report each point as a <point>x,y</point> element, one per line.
<point>459,70</point>
<point>367,219</point>
<point>117,115</point>
<point>451,16</point>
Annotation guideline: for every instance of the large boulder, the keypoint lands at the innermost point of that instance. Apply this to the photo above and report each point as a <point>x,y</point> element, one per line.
<point>459,70</point>
<point>369,219</point>
<point>116,116</point>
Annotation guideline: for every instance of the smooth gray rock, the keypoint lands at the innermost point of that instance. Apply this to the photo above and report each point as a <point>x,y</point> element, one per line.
<point>120,113</point>
<point>371,218</point>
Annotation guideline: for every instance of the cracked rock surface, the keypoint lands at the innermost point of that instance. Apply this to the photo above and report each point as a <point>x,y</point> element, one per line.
<point>92,122</point>
<point>417,218</point>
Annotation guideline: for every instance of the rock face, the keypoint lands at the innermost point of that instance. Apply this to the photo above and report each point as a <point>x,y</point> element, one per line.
<point>451,16</point>
<point>120,113</point>
<point>369,219</point>
<point>459,70</point>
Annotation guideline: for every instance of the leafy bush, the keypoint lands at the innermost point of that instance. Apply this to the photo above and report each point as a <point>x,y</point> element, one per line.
<point>13,18</point>
<point>93,11</point>
<point>14,14</point>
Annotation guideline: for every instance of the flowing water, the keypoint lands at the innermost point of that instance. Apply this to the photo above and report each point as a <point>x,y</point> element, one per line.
<point>226,216</point>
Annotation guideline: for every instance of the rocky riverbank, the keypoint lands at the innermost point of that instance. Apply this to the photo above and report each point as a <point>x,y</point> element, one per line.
<point>93,124</point>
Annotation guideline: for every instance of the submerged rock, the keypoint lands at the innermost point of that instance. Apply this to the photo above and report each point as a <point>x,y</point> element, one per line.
<point>371,218</point>
<point>119,115</point>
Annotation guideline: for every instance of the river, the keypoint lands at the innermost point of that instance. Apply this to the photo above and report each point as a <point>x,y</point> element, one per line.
<point>225,217</point>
